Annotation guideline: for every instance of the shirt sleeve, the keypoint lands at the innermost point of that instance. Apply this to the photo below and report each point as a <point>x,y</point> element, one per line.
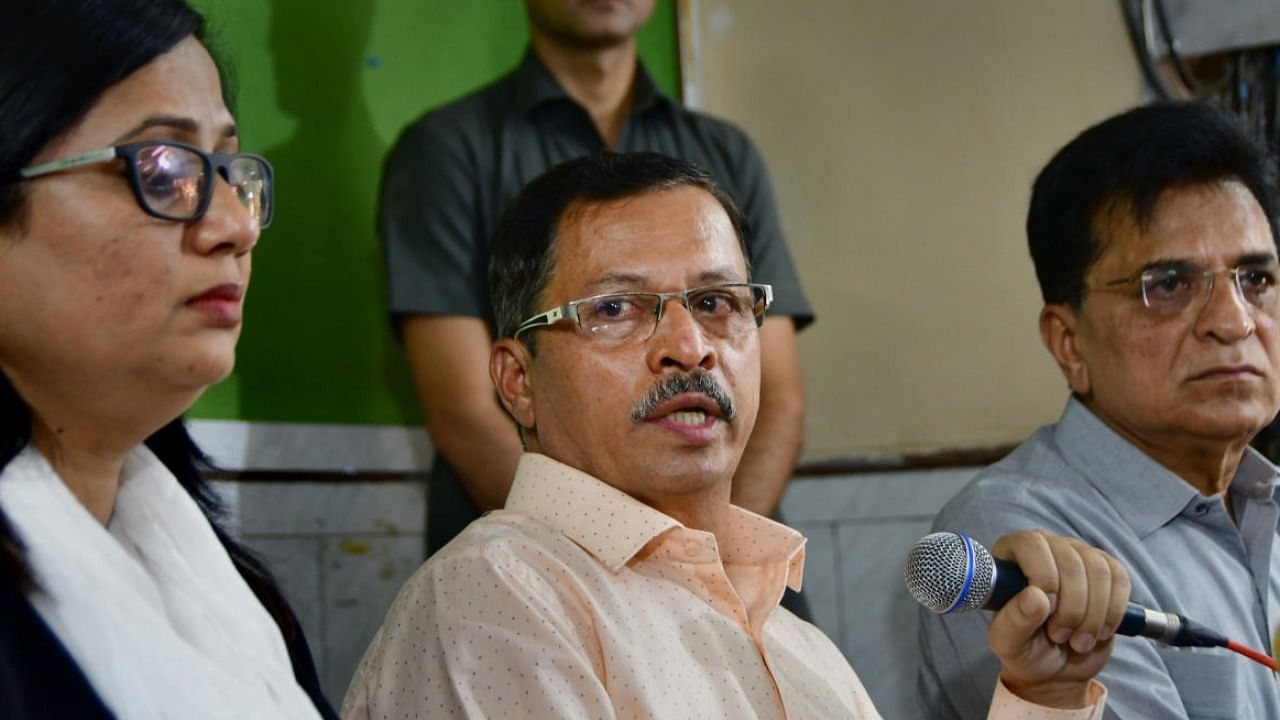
<point>480,636</point>
<point>428,215</point>
<point>771,263</point>
<point>1007,706</point>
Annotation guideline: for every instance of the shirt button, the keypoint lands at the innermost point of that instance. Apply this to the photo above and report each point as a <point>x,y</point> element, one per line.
<point>693,548</point>
<point>1202,508</point>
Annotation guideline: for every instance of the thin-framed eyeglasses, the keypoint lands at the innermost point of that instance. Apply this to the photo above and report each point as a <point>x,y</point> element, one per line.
<point>723,311</point>
<point>1170,288</point>
<point>172,180</point>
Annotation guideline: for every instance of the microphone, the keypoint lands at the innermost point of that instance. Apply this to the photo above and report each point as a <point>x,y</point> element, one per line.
<point>951,573</point>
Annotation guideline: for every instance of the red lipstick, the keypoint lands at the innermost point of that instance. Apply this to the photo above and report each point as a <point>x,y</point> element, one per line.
<point>221,304</point>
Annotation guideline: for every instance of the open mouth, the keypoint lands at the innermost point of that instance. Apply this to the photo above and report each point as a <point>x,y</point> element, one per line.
<point>688,417</point>
<point>692,417</point>
<point>686,408</point>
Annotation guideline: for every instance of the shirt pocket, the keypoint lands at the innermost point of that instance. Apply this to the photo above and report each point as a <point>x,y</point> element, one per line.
<point>1207,680</point>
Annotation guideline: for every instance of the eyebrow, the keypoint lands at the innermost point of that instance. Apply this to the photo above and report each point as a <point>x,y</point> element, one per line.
<point>1167,264</point>
<point>1262,258</point>
<point>723,275</point>
<point>173,122</point>
<point>615,278</point>
<point>632,279</point>
<point>1259,258</point>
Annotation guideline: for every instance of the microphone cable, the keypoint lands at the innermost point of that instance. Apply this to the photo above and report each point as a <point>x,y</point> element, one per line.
<point>1255,655</point>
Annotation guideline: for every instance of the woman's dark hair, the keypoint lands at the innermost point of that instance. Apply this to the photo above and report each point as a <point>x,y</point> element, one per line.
<point>57,57</point>
<point>1124,164</point>
<point>523,246</point>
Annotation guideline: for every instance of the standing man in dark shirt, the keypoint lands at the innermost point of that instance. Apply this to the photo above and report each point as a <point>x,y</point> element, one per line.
<point>580,89</point>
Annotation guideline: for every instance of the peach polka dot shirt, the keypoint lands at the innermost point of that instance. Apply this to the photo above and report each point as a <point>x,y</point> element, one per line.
<point>578,601</point>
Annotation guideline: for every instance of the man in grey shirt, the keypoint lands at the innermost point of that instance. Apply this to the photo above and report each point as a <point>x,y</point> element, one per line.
<point>1153,238</point>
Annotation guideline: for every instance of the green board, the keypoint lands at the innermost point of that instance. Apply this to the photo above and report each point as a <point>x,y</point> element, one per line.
<point>323,87</point>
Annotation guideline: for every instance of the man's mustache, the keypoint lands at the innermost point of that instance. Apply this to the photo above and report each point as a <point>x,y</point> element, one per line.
<point>698,381</point>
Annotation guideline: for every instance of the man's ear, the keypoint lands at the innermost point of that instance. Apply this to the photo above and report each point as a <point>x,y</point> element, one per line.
<point>509,367</point>
<point>1059,323</point>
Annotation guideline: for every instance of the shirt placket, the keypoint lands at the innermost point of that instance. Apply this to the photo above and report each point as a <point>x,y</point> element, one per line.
<point>1257,530</point>
<point>698,552</point>
<point>1212,514</point>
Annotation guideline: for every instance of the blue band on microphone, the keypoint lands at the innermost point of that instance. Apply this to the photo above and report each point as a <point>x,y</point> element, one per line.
<point>968,575</point>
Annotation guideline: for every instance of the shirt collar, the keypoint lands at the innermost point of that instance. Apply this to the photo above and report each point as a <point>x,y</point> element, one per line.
<point>1147,494</point>
<point>1256,478</point>
<point>644,91</point>
<point>752,539</point>
<point>535,85</point>
<point>614,527</point>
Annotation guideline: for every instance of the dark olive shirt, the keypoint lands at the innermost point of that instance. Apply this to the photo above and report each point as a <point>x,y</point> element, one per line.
<point>453,172</point>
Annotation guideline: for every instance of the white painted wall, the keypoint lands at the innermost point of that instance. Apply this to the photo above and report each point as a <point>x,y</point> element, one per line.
<point>902,136</point>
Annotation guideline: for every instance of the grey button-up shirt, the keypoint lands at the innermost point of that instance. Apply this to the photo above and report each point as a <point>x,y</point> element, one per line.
<point>1183,551</point>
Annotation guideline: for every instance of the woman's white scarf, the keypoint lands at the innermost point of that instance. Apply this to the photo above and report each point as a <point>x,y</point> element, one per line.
<point>150,607</point>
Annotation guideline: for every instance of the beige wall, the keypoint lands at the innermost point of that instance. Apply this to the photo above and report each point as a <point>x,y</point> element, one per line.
<point>902,136</point>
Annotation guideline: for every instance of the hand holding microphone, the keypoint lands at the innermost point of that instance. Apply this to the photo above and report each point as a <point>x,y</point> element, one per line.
<point>949,572</point>
<point>1055,635</point>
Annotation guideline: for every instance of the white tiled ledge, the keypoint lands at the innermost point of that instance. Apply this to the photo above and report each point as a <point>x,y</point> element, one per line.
<point>313,447</point>
<point>239,446</point>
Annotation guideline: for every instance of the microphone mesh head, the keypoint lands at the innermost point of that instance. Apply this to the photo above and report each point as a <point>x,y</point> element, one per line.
<point>936,570</point>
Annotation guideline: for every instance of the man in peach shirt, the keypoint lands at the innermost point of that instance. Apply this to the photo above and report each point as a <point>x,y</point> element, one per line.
<point>619,581</point>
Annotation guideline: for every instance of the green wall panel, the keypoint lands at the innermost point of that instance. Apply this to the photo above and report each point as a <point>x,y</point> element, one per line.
<point>323,87</point>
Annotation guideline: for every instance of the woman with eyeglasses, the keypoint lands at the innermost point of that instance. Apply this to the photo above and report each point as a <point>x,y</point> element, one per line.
<point>127,219</point>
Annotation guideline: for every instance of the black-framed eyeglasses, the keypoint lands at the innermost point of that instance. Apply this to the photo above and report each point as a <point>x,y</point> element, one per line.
<point>172,180</point>
<point>723,311</point>
<point>1170,288</point>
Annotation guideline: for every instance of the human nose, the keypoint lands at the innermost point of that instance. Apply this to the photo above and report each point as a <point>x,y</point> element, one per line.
<point>678,340</point>
<point>1226,315</point>
<point>227,225</point>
